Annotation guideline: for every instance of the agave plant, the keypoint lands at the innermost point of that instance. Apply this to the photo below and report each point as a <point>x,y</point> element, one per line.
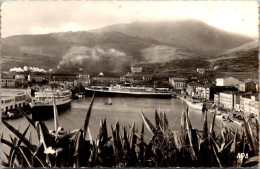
<point>192,147</point>
<point>127,147</point>
<point>56,148</point>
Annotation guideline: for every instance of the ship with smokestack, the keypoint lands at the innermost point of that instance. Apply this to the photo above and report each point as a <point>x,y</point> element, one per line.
<point>43,100</point>
<point>118,90</point>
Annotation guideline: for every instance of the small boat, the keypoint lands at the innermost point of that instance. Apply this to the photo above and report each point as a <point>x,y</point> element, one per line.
<point>194,105</point>
<point>109,102</point>
<point>11,115</point>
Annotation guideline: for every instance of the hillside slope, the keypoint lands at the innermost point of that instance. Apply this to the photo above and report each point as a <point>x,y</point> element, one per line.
<point>87,51</point>
<point>241,58</point>
<point>162,46</point>
<point>191,34</point>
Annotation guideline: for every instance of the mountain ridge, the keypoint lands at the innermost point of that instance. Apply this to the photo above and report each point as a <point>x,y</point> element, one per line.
<point>194,34</point>
<point>114,50</point>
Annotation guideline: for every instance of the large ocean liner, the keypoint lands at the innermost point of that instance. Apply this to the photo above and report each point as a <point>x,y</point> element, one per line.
<point>119,90</point>
<point>42,102</point>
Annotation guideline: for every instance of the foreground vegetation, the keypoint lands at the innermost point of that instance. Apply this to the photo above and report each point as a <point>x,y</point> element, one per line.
<point>165,148</point>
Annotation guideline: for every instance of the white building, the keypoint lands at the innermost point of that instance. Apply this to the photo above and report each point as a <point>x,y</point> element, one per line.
<point>8,81</point>
<point>201,70</point>
<point>83,76</point>
<point>12,99</point>
<point>250,104</point>
<point>227,81</point>
<point>136,69</point>
<point>202,92</point>
<point>178,83</point>
<point>226,99</point>
<point>216,99</point>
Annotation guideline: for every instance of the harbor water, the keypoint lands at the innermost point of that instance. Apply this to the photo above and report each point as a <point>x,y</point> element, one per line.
<point>124,109</point>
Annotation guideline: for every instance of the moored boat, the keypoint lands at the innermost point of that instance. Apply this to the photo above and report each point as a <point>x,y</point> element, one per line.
<point>194,105</point>
<point>42,103</point>
<point>128,91</point>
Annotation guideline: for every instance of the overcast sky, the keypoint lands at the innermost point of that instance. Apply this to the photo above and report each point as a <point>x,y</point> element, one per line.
<point>26,17</point>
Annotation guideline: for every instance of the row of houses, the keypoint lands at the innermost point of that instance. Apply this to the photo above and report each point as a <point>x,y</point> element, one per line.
<point>238,101</point>
<point>245,99</point>
<point>201,90</point>
<point>229,93</point>
<point>207,89</point>
<point>131,78</point>
<point>19,80</point>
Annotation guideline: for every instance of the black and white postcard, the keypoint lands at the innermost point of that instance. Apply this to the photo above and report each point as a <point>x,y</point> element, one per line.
<point>129,84</point>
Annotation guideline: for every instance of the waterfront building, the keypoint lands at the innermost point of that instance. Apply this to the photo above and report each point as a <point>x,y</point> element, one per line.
<point>237,106</point>
<point>11,99</point>
<point>197,90</point>
<point>8,81</point>
<point>82,79</point>
<point>191,88</point>
<point>206,91</point>
<point>217,89</point>
<point>226,99</point>
<point>216,99</point>
<point>136,78</point>
<point>136,69</point>
<point>247,104</point>
<point>178,83</point>
<point>129,78</point>
<point>248,86</point>
<point>21,81</point>
<point>17,77</point>
<point>227,81</point>
<point>63,77</point>
<point>83,76</point>
<point>241,104</point>
<point>83,82</point>
<point>105,79</point>
<point>255,105</point>
<point>147,77</point>
<point>250,104</point>
<point>203,92</point>
<point>239,101</point>
<point>37,79</point>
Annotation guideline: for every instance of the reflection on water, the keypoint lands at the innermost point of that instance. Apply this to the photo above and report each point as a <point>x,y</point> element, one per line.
<point>125,109</point>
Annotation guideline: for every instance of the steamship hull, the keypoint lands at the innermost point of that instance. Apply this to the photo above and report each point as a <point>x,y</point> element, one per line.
<point>43,110</point>
<point>107,93</point>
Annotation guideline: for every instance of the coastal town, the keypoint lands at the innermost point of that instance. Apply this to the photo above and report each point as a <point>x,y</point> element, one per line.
<point>233,93</point>
<point>130,84</point>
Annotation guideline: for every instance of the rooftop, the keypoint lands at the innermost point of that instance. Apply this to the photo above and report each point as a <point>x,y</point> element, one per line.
<point>177,78</point>
<point>6,97</point>
<point>225,78</point>
<point>229,92</point>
